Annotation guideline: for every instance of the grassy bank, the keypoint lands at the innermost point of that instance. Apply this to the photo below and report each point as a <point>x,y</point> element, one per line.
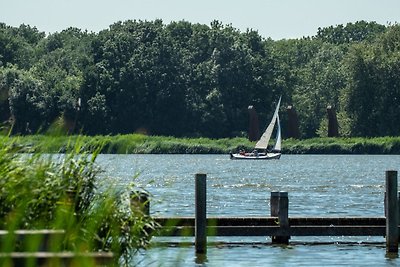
<point>132,144</point>
<point>141,144</point>
<point>378,145</point>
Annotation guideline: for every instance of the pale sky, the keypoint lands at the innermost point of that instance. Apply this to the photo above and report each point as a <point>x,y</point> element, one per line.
<point>276,19</point>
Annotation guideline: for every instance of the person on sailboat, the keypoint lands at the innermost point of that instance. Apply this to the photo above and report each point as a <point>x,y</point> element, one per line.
<point>263,142</point>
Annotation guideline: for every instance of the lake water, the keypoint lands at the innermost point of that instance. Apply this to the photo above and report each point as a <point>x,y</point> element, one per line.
<point>318,185</point>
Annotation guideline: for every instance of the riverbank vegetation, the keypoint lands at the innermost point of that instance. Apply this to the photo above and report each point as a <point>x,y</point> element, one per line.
<point>142,144</point>
<point>189,80</point>
<point>39,191</point>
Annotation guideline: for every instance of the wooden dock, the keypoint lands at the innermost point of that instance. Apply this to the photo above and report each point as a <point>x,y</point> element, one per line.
<point>279,226</point>
<point>269,226</point>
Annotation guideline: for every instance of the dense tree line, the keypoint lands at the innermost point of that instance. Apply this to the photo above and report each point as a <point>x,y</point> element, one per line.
<point>185,79</point>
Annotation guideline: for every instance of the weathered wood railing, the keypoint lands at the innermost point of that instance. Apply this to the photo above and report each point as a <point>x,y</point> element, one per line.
<point>279,226</point>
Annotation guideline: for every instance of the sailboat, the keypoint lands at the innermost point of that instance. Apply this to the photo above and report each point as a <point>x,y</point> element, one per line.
<point>260,149</point>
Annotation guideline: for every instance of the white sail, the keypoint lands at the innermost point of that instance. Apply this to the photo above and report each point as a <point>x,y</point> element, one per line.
<point>264,140</point>
<point>278,146</point>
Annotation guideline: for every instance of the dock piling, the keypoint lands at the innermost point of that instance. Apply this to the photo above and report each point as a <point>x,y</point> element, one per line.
<point>278,225</point>
<point>280,208</point>
<point>392,212</point>
<point>274,203</point>
<point>140,202</point>
<point>200,214</point>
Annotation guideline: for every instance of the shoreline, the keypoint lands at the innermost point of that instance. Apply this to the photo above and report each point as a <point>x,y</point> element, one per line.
<point>141,144</point>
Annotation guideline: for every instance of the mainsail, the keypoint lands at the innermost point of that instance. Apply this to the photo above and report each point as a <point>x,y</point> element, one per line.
<point>277,146</point>
<point>264,140</point>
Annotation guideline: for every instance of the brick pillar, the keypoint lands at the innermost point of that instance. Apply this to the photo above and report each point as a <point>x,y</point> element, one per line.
<point>293,123</point>
<point>333,126</point>
<point>254,127</point>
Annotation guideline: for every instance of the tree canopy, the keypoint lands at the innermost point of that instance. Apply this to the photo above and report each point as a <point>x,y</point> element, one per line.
<point>185,79</point>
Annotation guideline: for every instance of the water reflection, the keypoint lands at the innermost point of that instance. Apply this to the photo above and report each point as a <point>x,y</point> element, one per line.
<point>392,255</point>
<point>201,258</point>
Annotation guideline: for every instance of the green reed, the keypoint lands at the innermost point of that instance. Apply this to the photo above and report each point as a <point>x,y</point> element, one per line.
<point>42,191</point>
<point>142,144</point>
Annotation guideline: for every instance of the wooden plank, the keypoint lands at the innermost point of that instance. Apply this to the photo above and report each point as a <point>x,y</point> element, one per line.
<point>27,232</point>
<point>302,231</point>
<point>354,230</point>
<point>338,221</point>
<point>57,258</point>
<point>268,226</point>
<point>33,240</point>
<point>272,221</point>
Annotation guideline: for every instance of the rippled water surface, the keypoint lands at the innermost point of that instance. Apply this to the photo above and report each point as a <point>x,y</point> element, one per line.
<point>318,185</point>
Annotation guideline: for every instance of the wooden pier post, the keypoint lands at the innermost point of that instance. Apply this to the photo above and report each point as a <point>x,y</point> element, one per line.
<point>140,202</point>
<point>280,208</point>
<point>200,214</point>
<point>274,203</point>
<point>392,213</point>
<point>283,216</point>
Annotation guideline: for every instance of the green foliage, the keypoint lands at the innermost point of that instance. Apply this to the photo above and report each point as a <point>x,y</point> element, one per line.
<point>17,45</point>
<point>321,81</point>
<point>373,93</point>
<point>351,32</point>
<point>28,99</point>
<point>378,145</point>
<point>184,79</point>
<point>42,191</point>
<point>141,144</point>
<point>133,143</point>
